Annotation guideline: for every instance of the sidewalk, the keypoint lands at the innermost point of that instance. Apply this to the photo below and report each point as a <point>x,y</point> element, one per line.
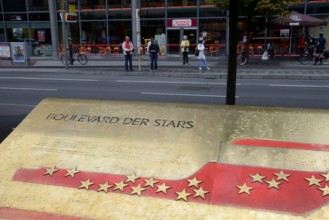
<point>171,66</point>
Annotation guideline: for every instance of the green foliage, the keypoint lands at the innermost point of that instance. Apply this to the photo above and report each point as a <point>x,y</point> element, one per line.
<point>257,7</point>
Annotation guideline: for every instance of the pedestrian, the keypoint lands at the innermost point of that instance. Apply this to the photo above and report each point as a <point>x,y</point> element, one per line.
<point>148,45</point>
<point>185,47</point>
<point>202,56</point>
<point>127,48</point>
<point>319,48</point>
<point>154,51</point>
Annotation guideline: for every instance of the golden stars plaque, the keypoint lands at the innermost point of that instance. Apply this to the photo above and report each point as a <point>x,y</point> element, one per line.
<point>88,159</point>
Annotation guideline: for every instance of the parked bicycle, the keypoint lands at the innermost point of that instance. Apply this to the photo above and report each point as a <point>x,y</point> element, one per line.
<point>309,55</point>
<point>267,54</point>
<point>82,59</point>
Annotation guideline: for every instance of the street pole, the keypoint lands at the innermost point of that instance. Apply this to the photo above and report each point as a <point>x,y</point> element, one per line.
<point>232,53</point>
<point>64,38</point>
<point>69,36</point>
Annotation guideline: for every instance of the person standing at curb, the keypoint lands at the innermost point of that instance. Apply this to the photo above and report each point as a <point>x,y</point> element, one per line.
<point>185,44</point>
<point>202,55</point>
<point>154,51</point>
<point>127,48</point>
<point>319,48</point>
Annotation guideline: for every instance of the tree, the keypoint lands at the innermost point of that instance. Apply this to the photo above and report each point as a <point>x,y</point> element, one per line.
<point>249,9</point>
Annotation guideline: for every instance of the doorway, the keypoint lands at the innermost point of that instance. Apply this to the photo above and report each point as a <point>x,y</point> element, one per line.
<point>175,36</point>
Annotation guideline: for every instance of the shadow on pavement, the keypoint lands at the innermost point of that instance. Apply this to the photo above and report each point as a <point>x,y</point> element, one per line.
<point>8,124</point>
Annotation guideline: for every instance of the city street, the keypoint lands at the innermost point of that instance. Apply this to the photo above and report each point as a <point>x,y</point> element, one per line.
<point>21,91</point>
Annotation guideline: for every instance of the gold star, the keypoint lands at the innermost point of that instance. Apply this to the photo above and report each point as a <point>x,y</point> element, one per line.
<point>137,190</point>
<point>282,176</point>
<point>200,192</point>
<point>120,186</point>
<point>244,189</point>
<point>132,178</point>
<point>72,172</point>
<point>325,190</point>
<point>182,195</point>
<point>313,181</point>
<point>163,188</point>
<point>104,187</point>
<point>150,182</point>
<point>86,184</point>
<point>273,184</point>
<point>194,182</point>
<point>257,178</point>
<point>326,176</point>
<point>50,171</point>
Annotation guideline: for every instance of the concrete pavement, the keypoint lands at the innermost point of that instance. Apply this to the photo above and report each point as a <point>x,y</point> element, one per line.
<point>171,66</point>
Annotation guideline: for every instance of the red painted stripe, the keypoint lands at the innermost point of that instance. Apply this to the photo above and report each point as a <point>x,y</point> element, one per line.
<point>281,144</point>
<point>220,180</point>
<point>19,214</point>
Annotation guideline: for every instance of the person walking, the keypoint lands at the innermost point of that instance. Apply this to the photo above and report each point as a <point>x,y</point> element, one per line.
<point>127,48</point>
<point>319,48</point>
<point>202,55</point>
<point>185,47</point>
<point>154,51</point>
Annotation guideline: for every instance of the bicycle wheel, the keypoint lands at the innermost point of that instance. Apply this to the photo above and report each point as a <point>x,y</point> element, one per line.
<point>325,60</point>
<point>63,59</point>
<point>243,59</point>
<point>83,60</point>
<point>305,58</point>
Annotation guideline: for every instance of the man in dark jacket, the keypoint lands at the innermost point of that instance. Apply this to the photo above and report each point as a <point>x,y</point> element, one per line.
<point>319,49</point>
<point>154,51</point>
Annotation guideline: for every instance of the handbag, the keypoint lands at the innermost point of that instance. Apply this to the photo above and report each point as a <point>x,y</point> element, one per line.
<point>196,52</point>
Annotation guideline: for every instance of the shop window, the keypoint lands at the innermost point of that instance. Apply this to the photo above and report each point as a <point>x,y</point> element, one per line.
<point>14,6</point>
<point>152,3</point>
<point>38,5</point>
<point>181,3</point>
<point>119,3</point>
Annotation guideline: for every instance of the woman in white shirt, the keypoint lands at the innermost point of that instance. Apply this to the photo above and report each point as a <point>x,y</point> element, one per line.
<point>202,55</point>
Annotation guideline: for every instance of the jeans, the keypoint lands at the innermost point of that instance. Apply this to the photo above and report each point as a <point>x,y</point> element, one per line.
<point>185,57</point>
<point>128,57</point>
<point>154,61</point>
<point>205,63</point>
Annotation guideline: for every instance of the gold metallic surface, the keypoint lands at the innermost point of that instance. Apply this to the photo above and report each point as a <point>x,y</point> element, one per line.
<point>164,141</point>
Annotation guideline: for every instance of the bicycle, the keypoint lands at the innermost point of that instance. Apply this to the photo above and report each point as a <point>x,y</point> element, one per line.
<point>244,57</point>
<point>82,59</point>
<point>308,56</point>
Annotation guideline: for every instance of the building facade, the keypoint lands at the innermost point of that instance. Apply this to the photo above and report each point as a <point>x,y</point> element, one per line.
<point>105,23</point>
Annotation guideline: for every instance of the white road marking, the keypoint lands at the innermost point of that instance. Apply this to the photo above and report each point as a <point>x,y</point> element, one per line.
<point>183,94</point>
<point>29,89</point>
<point>20,105</point>
<point>299,86</point>
<point>170,82</point>
<point>51,79</point>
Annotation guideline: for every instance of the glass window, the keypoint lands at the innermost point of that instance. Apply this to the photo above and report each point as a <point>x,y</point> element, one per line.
<point>92,4</point>
<point>92,32</point>
<point>211,11</point>
<point>119,3</point>
<point>152,3</point>
<point>13,6</point>
<point>118,30</point>
<point>119,14</point>
<point>150,28</point>
<point>96,14</point>
<point>182,3</point>
<point>152,13</point>
<point>16,17</point>
<point>39,17</point>
<point>216,29</point>
<point>38,5</point>
<point>182,12</point>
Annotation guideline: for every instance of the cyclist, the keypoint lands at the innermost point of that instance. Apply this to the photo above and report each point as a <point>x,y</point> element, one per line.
<point>319,49</point>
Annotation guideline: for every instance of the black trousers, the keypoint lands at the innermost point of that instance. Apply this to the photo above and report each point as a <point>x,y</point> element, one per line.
<point>185,57</point>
